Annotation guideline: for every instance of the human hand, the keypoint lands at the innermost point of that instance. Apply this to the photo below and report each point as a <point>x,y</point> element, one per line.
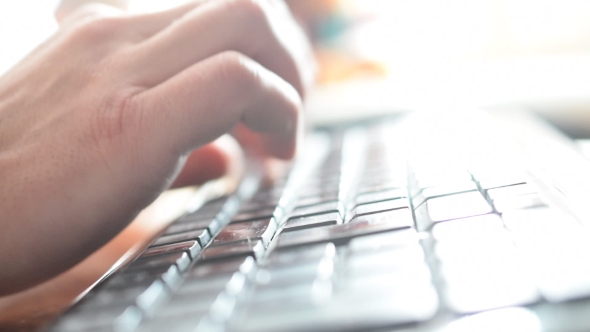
<point>99,120</point>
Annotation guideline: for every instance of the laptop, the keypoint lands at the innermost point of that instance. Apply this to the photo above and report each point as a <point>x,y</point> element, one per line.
<point>418,221</point>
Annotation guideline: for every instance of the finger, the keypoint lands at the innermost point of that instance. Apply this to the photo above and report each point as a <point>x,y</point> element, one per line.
<point>211,97</point>
<point>76,10</point>
<point>223,157</point>
<point>251,27</point>
<point>147,24</point>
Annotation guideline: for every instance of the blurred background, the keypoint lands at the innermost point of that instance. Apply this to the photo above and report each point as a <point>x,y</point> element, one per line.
<point>379,55</point>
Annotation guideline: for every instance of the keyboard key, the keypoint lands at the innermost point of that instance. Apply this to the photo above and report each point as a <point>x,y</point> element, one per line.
<point>297,223</point>
<point>371,208</point>
<point>379,196</point>
<point>253,215</point>
<point>315,200</point>
<point>200,235</point>
<point>155,294</point>
<point>505,204</point>
<point>262,229</point>
<point>502,181</point>
<point>180,259</point>
<point>300,255</point>
<point>217,267</point>
<point>185,321</point>
<point>253,248</point>
<point>451,207</point>
<point>91,320</point>
<point>443,190</point>
<point>369,224</point>
<point>511,191</point>
<point>188,226</point>
<point>339,313</point>
<point>333,206</point>
<point>382,241</point>
<point>192,248</point>
<point>170,276</point>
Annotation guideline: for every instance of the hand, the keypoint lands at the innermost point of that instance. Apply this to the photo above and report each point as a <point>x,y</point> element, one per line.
<point>99,120</point>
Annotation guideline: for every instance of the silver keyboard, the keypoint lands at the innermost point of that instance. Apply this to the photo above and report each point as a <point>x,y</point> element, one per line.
<point>360,235</point>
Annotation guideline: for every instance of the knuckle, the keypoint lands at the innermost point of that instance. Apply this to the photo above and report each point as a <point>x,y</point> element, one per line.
<point>251,11</point>
<point>238,69</point>
<point>251,8</point>
<point>99,28</point>
<point>116,118</point>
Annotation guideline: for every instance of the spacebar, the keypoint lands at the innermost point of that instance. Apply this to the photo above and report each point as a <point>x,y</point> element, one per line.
<point>364,225</point>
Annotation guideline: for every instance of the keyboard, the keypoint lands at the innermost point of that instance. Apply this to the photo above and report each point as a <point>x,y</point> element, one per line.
<point>359,235</point>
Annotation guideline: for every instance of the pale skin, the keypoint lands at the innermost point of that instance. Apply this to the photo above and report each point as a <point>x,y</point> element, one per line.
<point>103,117</point>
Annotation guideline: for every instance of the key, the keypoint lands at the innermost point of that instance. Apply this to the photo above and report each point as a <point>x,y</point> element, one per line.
<point>297,223</point>
<point>369,224</point>
<point>231,265</point>
<point>300,255</point>
<point>212,225</point>
<point>379,196</point>
<point>382,241</point>
<point>253,215</point>
<point>444,190</point>
<point>87,320</point>
<point>505,204</point>
<point>262,229</point>
<point>190,247</point>
<point>315,200</point>
<point>170,276</point>
<point>510,191</point>
<point>200,235</point>
<point>180,259</point>
<point>245,248</point>
<point>451,207</point>
<point>333,206</point>
<point>370,208</point>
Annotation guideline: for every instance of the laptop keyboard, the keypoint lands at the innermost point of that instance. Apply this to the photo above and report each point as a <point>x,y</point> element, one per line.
<point>355,238</point>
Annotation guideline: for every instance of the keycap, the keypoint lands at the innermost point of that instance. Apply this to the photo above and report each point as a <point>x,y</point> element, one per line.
<point>192,248</point>
<point>385,260</point>
<point>434,177</point>
<point>482,287</point>
<point>180,259</point>
<point>443,190</point>
<point>299,255</point>
<point>379,196</point>
<point>451,207</point>
<point>511,191</point>
<point>216,267</point>
<point>262,229</point>
<point>90,320</point>
<point>297,223</point>
<point>315,200</point>
<point>201,235</point>
<point>212,225</point>
<point>170,276</point>
<point>369,224</point>
<point>303,211</point>
<point>252,215</point>
<point>185,321</point>
<point>342,312</point>
<point>469,229</point>
<point>502,181</point>
<point>155,294</point>
<point>556,245</point>
<point>381,241</point>
<point>253,248</point>
<point>504,204</point>
<point>371,208</point>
